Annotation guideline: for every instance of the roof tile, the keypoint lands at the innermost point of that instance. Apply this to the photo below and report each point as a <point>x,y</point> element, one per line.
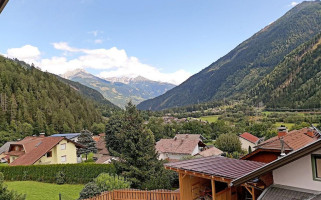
<point>218,166</point>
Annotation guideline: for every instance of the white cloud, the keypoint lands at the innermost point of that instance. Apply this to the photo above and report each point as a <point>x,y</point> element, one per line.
<point>27,53</point>
<point>108,62</point>
<point>293,3</point>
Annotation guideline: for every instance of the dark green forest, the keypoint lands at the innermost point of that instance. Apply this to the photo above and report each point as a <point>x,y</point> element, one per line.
<point>296,81</point>
<point>32,101</point>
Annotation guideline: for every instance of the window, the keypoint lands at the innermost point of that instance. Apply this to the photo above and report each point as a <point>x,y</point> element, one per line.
<point>63,158</point>
<point>49,154</point>
<point>316,167</point>
<point>63,146</point>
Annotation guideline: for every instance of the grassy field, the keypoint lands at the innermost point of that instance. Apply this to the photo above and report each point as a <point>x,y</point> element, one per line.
<point>37,190</point>
<point>210,118</point>
<point>288,125</point>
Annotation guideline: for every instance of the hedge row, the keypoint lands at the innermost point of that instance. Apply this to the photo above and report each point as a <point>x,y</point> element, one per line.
<point>74,173</point>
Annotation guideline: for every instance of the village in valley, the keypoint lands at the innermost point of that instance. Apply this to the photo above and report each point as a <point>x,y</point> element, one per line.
<point>245,128</point>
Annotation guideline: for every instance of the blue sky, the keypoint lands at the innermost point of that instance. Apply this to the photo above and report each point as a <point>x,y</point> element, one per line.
<point>166,40</point>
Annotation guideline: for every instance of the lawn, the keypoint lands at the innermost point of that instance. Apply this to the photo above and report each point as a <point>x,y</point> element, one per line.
<point>210,118</point>
<point>39,190</point>
<point>288,125</point>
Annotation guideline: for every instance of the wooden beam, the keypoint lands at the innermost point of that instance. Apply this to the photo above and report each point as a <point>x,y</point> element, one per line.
<point>180,175</point>
<point>253,193</point>
<point>213,189</point>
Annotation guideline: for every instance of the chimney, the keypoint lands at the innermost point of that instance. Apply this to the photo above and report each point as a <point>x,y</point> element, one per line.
<point>282,148</point>
<point>282,131</point>
<point>310,132</point>
<point>42,135</point>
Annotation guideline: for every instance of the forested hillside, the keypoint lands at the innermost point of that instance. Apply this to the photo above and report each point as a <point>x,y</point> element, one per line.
<point>296,81</point>
<point>240,70</point>
<point>101,103</point>
<point>32,101</point>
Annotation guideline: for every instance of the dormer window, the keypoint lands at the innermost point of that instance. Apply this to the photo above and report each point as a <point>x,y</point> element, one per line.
<point>16,148</point>
<point>316,167</point>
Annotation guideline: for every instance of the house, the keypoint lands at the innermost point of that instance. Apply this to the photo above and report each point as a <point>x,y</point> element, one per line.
<point>296,175</point>
<point>3,4</point>
<point>43,150</point>
<point>180,146</point>
<point>70,136</point>
<point>248,141</point>
<point>212,151</point>
<point>210,177</point>
<point>3,150</point>
<point>102,155</point>
<point>270,150</point>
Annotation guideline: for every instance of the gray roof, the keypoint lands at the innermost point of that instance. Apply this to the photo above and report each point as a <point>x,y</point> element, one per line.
<point>5,147</point>
<point>280,192</point>
<point>66,135</point>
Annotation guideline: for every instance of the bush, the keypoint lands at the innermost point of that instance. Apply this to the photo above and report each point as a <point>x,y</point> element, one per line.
<point>74,173</point>
<point>61,178</point>
<point>90,190</point>
<point>6,194</point>
<point>106,182</point>
<point>228,143</point>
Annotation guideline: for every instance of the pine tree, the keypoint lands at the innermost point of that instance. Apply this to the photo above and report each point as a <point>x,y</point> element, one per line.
<point>86,139</point>
<point>137,154</point>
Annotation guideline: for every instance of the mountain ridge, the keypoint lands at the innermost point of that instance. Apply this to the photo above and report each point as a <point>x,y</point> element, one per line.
<point>119,93</point>
<point>233,75</point>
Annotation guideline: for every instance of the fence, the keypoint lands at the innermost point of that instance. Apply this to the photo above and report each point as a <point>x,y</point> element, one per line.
<point>131,194</point>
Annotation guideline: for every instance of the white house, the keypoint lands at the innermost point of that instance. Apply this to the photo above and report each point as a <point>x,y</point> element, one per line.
<point>248,140</point>
<point>180,146</point>
<point>296,175</point>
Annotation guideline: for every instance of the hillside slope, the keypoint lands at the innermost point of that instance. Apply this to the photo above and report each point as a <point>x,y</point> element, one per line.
<point>120,93</point>
<point>32,101</point>
<point>296,81</point>
<point>106,107</point>
<point>233,75</point>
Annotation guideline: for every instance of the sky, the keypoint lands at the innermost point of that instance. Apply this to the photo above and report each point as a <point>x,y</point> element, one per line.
<point>163,40</point>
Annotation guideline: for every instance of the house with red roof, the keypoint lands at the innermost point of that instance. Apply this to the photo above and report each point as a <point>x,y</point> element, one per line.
<point>294,175</point>
<point>180,146</point>
<point>43,150</point>
<point>102,156</point>
<point>285,142</point>
<point>248,140</point>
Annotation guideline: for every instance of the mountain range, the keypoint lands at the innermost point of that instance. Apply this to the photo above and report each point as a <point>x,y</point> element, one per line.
<point>250,64</point>
<point>120,90</point>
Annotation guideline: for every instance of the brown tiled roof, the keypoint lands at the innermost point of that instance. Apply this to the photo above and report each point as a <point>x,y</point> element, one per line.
<point>103,159</point>
<point>101,145</point>
<point>249,137</point>
<point>189,136</point>
<point>292,141</point>
<point>177,146</point>
<point>35,148</point>
<point>15,153</point>
<point>213,151</point>
<point>218,166</point>
<point>290,157</point>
